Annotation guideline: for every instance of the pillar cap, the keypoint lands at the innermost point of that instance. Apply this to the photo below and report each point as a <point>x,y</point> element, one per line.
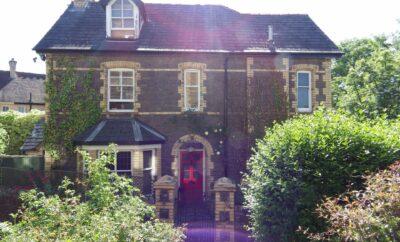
<point>166,181</point>
<point>224,183</point>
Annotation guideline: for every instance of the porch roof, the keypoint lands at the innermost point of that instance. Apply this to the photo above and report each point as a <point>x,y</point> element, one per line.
<point>127,131</point>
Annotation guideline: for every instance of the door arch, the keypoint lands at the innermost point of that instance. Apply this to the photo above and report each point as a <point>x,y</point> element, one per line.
<point>186,142</point>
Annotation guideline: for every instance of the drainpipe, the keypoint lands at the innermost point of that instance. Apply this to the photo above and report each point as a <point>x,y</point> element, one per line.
<point>225,146</point>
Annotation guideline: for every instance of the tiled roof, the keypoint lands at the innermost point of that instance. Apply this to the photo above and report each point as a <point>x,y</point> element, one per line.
<point>120,132</point>
<point>18,90</point>
<point>171,27</point>
<point>36,137</point>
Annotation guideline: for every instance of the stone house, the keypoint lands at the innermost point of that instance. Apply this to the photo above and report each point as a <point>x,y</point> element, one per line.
<point>186,89</point>
<point>21,91</point>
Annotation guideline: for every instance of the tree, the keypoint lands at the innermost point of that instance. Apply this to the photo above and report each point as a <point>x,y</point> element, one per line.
<point>308,157</point>
<point>366,80</point>
<point>372,214</point>
<point>109,210</point>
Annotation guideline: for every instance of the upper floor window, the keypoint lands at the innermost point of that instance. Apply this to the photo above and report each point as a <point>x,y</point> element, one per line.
<point>121,90</point>
<point>21,109</point>
<point>122,15</point>
<point>304,91</point>
<point>192,90</point>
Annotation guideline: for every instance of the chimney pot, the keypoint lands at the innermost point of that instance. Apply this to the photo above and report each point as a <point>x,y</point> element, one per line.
<point>13,68</point>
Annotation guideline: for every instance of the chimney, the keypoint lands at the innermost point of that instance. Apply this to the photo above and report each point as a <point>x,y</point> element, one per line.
<point>270,41</point>
<point>13,68</point>
<point>80,3</point>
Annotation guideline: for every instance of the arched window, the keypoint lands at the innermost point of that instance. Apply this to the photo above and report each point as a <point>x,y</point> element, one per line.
<point>122,15</point>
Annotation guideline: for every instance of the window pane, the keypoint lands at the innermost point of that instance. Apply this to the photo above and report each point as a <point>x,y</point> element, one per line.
<point>114,73</point>
<point>127,81</point>
<point>115,92</point>
<point>127,4</point>
<point>128,23</point>
<point>117,23</point>
<point>121,105</point>
<point>116,13</point>
<point>127,93</point>
<point>192,96</point>
<point>192,78</point>
<point>303,79</point>
<point>128,13</point>
<point>117,5</point>
<point>127,74</point>
<point>123,161</point>
<point>303,97</point>
<point>114,81</point>
<point>147,157</point>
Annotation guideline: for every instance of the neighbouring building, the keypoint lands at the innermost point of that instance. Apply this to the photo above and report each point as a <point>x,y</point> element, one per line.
<point>21,91</point>
<point>186,89</point>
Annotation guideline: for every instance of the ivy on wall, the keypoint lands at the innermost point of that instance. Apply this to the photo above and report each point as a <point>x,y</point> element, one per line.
<point>73,106</point>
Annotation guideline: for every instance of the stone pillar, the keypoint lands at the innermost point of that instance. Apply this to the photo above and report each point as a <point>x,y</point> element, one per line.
<point>166,191</point>
<point>225,190</point>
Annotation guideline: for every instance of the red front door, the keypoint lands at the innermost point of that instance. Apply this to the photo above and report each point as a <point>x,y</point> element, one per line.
<point>192,176</point>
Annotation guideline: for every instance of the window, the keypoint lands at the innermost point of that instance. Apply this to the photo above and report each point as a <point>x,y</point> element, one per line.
<point>192,90</point>
<point>121,90</point>
<point>122,15</point>
<point>21,109</point>
<point>123,164</point>
<point>304,91</point>
<point>148,172</point>
<point>5,108</point>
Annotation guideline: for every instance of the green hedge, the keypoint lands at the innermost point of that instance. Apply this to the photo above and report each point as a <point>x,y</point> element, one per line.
<point>309,157</point>
<point>18,127</point>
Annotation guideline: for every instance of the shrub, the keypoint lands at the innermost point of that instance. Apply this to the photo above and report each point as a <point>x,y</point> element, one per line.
<point>107,211</point>
<point>18,127</point>
<point>372,214</point>
<point>4,140</point>
<point>299,162</point>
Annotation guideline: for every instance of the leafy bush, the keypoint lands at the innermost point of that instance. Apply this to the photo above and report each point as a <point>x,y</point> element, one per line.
<point>4,140</point>
<point>107,211</point>
<point>309,157</point>
<point>372,214</point>
<point>18,127</point>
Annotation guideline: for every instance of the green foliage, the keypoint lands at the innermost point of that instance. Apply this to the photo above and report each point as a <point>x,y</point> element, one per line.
<point>309,157</point>
<point>372,214</point>
<point>17,127</point>
<point>366,80</point>
<point>110,213</point>
<point>73,107</point>
<point>4,140</point>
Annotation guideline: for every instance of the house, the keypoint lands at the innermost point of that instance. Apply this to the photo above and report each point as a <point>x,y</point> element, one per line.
<point>186,89</point>
<point>21,91</point>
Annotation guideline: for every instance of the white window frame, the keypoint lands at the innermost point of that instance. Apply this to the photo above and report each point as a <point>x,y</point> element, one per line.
<point>309,109</point>
<point>185,86</point>
<point>116,162</point>
<point>120,70</point>
<point>153,163</point>
<point>109,18</point>
<point>21,109</point>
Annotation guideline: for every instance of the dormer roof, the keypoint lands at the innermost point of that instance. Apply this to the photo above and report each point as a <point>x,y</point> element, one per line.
<point>188,28</point>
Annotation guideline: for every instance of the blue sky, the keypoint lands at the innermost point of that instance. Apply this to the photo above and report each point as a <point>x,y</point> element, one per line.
<point>24,22</point>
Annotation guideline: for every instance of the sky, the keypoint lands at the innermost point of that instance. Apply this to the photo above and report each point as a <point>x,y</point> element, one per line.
<point>24,22</point>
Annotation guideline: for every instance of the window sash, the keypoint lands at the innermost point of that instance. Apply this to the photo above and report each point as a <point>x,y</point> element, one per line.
<point>121,16</point>
<point>121,87</point>
<point>188,86</point>
<point>302,87</point>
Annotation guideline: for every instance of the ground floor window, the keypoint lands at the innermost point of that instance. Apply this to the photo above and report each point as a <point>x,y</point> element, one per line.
<point>123,164</point>
<point>5,108</point>
<point>148,172</point>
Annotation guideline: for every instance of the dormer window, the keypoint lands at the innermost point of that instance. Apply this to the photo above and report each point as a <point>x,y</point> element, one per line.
<point>122,15</point>
<point>122,20</point>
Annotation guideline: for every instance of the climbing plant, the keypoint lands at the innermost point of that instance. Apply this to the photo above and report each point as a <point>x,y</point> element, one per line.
<point>73,107</point>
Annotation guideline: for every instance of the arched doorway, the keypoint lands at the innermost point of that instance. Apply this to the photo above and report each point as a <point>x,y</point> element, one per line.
<point>192,165</point>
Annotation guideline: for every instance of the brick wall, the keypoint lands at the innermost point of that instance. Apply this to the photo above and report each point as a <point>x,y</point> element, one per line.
<point>261,89</point>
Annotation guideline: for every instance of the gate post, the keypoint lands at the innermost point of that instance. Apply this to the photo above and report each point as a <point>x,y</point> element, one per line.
<point>225,190</point>
<point>166,192</point>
